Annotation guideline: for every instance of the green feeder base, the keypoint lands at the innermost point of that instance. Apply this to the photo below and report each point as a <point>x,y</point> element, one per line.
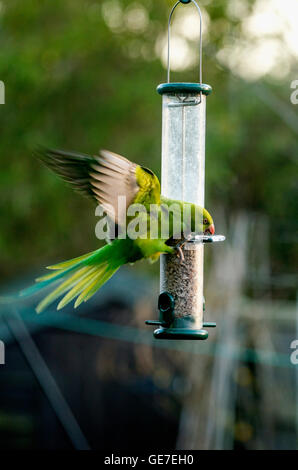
<point>180,333</point>
<point>181,328</point>
<point>176,328</point>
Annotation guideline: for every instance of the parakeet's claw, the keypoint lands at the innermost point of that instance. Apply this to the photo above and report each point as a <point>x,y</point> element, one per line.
<point>180,254</point>
<point>179,247</point>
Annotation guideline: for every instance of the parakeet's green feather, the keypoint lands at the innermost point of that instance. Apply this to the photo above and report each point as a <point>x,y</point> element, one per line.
<point>80,285</point>
<point>69,263</point>
<point>149,187</point>
<point>87,269</point>
<point>92,289</point>
<point>96,281</point>
<point>49,279</point>
<point>62,288</point>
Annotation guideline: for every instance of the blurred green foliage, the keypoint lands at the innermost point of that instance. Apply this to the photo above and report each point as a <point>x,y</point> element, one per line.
<point>73,82</point>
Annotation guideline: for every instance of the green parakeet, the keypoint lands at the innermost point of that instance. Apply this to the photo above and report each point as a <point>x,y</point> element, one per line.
<point>104,178</point>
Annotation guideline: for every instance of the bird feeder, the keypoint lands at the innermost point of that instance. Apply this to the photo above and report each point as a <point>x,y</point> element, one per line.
<point>181,300</point>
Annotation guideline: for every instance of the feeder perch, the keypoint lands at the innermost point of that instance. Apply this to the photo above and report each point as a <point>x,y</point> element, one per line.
<point>181,301</point>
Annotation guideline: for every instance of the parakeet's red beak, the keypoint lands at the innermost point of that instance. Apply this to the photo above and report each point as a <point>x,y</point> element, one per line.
<point>210,230</point>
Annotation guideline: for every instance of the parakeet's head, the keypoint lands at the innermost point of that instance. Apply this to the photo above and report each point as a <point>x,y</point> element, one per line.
<point>201,220</point>
<point>208,225</point>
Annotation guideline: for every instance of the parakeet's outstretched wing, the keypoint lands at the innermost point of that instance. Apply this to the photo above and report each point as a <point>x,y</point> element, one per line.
<point>104,178</point>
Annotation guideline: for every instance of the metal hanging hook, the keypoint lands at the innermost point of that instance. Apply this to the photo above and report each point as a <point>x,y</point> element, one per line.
<point>201,45</point>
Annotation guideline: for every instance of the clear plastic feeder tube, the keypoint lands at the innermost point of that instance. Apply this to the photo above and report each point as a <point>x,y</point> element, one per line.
<point>181,304</point>
<point>183,147</point>
<point>183,178</point>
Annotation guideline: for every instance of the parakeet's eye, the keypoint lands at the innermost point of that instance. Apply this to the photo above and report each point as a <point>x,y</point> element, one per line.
<point>205,221</point>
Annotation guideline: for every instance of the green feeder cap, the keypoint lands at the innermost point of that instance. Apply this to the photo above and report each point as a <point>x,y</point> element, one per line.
<point>184,87</point>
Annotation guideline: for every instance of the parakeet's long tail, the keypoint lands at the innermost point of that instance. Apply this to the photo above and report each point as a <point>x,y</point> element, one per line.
<point>80,278</point>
